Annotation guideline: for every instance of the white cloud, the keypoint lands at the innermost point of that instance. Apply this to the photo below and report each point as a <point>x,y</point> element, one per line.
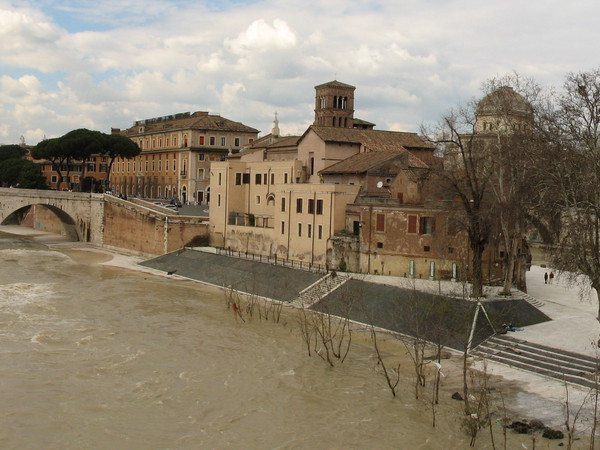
<point>262,37</point>
<point>105,64</point>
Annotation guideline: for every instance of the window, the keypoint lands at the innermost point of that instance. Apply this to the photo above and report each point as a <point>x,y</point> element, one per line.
<point>451,226</point>
<point>103,168</point>
<point>200,174</point>
<point>426,248</point>
<point>311,206</point>
<point>380,245</point>
<point>201,140</point>
<point>92,168</point>
<point>220,178</point>
<point>238,179</point>
<point>166,165</point>
<point>285,177</point>
<point>299,230</point>
<point>265,178</point>
<point>174,142</point>
<point>427,225</point>
<point>258,199</point>
<point>412,224</point>
<point>219,199</point>
<point>312,163</point>
<point>320,232</point>
<point>222,142</point>
<point>212,140</point>
<point>282,227</point>
<point>146,165</point>
<point>201,157</point>
<point>246,178</point>
<point>299,205</point>
<point>54,178</point>
<point>450,250</point>
<point>309,233</point>
<point>319,206</point>
<point>160,165</point>
<point>258,178</point>
<point>236,142</point>
<point>272,178</point>
<point>153,166</point>
<point>400,197</point>
<point>380,222</point>
<point>283,204</point>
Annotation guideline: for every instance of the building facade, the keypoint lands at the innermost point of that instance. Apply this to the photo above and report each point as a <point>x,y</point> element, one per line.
<point>176,154</point>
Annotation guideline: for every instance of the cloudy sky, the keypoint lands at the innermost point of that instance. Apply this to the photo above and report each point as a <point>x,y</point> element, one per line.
<point>106,63</point>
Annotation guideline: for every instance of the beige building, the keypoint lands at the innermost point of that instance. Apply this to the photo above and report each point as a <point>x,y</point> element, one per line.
<point>298,197</point>
<point>176,155</point>
<point>260,208</point>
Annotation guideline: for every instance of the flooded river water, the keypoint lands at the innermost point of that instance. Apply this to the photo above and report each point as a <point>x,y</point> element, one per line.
<point>95,356</point>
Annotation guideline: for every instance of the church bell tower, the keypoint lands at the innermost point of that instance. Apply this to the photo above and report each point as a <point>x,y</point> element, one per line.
<point>334,105</point>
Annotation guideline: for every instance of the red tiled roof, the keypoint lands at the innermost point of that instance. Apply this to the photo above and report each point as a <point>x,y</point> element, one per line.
<point>195,121</point>
<point>378,140</point>
<point>362,162</point>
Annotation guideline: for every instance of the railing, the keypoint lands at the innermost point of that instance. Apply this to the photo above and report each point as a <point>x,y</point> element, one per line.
<point>303,265</point>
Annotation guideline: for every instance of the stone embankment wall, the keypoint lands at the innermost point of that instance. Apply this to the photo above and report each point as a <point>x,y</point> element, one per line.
<point>145,231</point>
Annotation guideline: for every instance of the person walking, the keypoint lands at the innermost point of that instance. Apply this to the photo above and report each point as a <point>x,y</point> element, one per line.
<point>551,277</point>
<point>546,278</point>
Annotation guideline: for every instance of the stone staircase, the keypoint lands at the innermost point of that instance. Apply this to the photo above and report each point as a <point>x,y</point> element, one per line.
<point>550,362</point>
<point>530,299</point>
<point>316,291</point>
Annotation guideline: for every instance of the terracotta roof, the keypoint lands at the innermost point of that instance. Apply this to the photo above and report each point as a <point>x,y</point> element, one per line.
<point>362,122</point>
<point>362,162</point>
<point>263,143</point>
<point>202,121</point>
<point>335,83</point>
<point>371,139</point>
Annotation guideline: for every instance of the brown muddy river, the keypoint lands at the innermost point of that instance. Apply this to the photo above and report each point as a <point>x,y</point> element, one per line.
<point>99,357</point>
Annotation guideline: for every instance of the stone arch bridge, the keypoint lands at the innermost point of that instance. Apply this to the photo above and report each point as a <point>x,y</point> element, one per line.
<point>102,220</point>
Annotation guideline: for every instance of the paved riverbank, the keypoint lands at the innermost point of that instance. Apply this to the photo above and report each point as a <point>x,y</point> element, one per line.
<point>407,308</point>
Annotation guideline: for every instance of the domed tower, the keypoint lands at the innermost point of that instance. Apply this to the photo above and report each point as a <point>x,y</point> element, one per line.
<point>505,111</point>
<point>334,105</point>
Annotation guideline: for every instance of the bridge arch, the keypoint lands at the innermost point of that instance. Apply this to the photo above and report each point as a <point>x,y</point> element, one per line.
<point>79,216</point>
<point>45,218</point>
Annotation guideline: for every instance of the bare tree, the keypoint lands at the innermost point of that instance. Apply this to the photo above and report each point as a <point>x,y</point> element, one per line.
<point>573,172</point>
<point>464,177</point>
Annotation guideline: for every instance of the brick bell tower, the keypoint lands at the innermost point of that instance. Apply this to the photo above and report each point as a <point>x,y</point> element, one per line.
<point>334,105</point>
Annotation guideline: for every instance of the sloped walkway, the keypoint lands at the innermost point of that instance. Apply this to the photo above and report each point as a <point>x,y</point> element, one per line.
<point>250,277</point>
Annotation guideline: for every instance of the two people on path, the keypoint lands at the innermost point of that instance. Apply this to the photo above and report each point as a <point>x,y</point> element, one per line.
<point>548,278</point>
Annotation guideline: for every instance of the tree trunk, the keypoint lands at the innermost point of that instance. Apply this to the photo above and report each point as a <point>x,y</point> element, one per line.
<point>477,269</point>
<point>511,255</point>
